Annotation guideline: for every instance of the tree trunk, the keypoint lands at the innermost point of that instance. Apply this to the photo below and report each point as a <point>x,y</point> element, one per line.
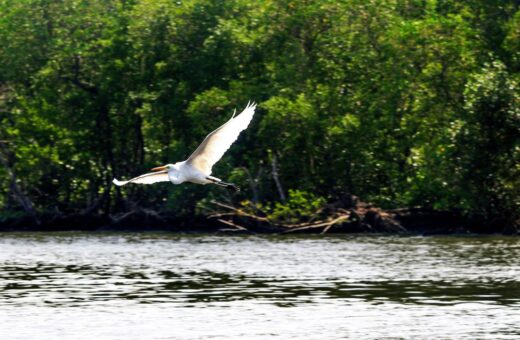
<point>17,192</point>
<point>277,179</point>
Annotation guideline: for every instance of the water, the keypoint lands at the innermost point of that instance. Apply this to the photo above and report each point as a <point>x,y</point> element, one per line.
<point>162,286</point>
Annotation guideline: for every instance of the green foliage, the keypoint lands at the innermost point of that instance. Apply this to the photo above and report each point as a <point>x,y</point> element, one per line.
<point>300,205</point>
<point>492,123</point>
<point>399,102</point>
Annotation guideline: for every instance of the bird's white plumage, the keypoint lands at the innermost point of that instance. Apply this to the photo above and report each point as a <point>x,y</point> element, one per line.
<point>197,168</point>
<point>149,178</point>
<point>211,150</point>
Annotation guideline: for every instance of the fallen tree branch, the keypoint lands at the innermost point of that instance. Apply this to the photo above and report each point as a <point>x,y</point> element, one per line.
<point>229,223</point>
<point>320,224</point>
<point>226,218</point>
<point>358,218</point>
<point>240,212</point>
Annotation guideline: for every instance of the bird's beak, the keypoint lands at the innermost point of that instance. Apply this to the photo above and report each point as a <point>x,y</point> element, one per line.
<point>159,168</point>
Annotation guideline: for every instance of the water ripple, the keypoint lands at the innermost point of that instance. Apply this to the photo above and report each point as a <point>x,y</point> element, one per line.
<point>378,281</point>
<point>87,283</point>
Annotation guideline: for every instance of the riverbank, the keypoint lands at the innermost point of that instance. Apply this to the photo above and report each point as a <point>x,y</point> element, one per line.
<point>335,218</point>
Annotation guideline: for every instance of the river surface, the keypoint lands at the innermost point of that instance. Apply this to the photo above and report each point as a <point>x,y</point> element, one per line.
<point>164,286</point>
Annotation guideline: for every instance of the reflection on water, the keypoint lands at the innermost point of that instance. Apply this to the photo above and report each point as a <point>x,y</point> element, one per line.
<point>166,286</point>
<point>70,284</point>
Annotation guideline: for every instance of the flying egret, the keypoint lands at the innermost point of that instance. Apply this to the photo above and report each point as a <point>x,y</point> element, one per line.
<point>197,168</point>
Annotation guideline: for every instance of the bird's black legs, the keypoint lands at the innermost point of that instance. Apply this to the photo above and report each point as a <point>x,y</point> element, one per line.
<point>220,183</point>
<point>230,186</point>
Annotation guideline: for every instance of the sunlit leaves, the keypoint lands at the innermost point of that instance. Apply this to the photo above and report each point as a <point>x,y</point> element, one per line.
<point>401,102</point>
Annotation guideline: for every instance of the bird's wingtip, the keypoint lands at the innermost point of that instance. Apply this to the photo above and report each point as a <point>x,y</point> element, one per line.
<point>117,182</point>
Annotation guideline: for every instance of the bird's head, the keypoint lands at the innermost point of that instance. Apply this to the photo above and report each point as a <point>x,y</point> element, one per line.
<point>167,167</point>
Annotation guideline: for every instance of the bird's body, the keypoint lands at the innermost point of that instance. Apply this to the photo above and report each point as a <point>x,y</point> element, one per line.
<point>197,168</point>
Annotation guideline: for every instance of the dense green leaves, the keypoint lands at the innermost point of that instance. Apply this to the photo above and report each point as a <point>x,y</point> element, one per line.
<point>399,102</point>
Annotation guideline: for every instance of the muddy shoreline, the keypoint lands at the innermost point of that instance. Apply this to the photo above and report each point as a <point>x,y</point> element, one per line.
<point>361,219</point>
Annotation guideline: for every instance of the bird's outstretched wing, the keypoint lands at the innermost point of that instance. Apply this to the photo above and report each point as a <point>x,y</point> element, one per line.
<point>150,178</point>
<point>216,143</point>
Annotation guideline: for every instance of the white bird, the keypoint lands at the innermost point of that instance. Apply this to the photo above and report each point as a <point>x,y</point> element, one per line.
<point>197,168</point>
